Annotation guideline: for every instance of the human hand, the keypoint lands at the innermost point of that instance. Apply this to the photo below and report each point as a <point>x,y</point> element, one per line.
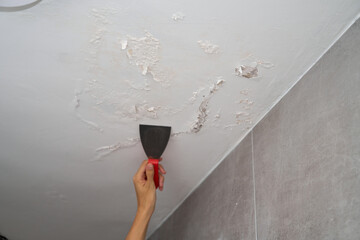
<point>145,187</point>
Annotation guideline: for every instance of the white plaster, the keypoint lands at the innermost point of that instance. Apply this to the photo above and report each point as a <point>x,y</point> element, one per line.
<point>123,43</point>
<point>48,149</point>
<point>109,149</point>
<point>203,108</point>
<point>208,47</point>
<point>144,52</point>
<point>247,71</point>
<point>178,16</point>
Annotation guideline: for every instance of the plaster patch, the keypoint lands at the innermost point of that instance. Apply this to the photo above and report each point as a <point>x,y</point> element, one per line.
<point>151,109</point>
<point>247,71</point>
<point>123,43</point>
<point>250,69</point>
<point>219,82</point>
<point>203,108</point>
<point>178,16</point>
<point>208,47</point>
<point>144,52</point>
<point>243,117</point>
<point>133,112</point>
<point>246,103</point>
<point>201,118</point>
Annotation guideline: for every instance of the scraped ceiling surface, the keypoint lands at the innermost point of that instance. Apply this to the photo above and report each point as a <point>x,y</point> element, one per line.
<point>77,78</point>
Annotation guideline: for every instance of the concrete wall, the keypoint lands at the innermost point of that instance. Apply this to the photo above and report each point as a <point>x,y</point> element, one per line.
<point>297,174</point>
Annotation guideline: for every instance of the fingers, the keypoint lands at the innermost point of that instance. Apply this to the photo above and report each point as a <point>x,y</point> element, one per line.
<point>161,181</point>
<point>150,174</point>
<point>161,177</point>
<point>162,170</point>
<point>139,175</point>
<point>147,171</point>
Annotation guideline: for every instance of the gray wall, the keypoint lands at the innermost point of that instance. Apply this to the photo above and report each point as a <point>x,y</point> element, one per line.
<point>297,174</point>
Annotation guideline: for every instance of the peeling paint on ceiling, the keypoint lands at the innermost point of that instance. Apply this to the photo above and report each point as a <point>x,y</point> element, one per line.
<point>76,80</point>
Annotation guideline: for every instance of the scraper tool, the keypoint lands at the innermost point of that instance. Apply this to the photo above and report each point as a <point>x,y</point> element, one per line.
<point>154,140</point>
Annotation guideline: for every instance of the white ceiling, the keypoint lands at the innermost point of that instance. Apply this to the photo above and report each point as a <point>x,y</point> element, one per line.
<point>71,99</point>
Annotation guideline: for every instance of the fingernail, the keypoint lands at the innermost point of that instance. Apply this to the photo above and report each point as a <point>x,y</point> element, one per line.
<point>149,166</point>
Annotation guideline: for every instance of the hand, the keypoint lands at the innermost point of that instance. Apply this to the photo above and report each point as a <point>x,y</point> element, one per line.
<point>146,198</point>
<point>145,187</point>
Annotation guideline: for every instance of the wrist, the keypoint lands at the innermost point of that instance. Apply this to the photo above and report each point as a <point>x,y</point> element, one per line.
<point>144,213</point>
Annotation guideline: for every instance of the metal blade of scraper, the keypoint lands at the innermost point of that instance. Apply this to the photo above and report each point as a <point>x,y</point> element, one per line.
<point>154,140</point>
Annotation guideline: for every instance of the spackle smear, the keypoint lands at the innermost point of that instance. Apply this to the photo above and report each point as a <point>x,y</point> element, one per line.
<point>247,71</point>
<point>178,16</point>
<point>203,112</point>
<point>106,150</point>
<point>208,47</point>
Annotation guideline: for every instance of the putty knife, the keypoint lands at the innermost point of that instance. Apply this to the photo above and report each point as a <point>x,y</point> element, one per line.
<point>154,140</point>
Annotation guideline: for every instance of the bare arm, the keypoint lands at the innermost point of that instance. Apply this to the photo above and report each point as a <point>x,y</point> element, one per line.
<point>146,199</point>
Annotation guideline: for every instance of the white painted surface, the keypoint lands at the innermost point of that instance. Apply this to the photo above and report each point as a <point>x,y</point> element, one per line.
<point>71,99</point>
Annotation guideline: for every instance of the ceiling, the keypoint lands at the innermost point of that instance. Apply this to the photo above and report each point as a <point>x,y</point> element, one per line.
<point>78,77</point>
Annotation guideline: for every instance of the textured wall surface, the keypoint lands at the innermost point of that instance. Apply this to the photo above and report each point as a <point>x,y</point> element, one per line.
<point>222,207</point>
<point>302,161</point>
<point>307,152</point>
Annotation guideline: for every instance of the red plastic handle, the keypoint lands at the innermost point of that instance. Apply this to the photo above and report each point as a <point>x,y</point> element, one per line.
<point>155,163</point>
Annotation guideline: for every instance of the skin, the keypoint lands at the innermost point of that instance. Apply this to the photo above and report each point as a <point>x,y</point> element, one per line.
<point>146,198</point>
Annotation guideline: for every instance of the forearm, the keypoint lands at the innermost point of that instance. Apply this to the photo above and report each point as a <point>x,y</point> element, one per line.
<point>139,227</point>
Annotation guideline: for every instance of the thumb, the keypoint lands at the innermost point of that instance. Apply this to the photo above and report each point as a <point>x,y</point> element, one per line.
<point>150,173</point>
